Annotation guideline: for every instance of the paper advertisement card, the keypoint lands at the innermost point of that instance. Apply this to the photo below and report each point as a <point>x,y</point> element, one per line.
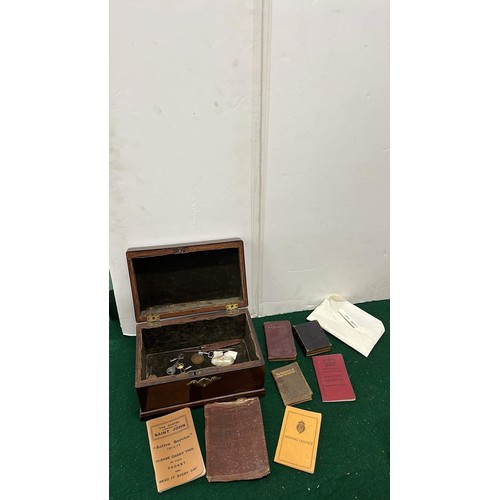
<point>175,449</point>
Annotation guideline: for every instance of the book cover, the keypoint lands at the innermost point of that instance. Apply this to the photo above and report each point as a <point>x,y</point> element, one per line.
<point>175,449</point>
<point>312,338</point>
<point>298,440</point>
<point>333,381</point>
<point>279,341</point>
<point>235,442</point>
<point>292,385</point>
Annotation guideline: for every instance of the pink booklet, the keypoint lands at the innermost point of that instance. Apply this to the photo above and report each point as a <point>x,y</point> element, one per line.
<point>333,380</point>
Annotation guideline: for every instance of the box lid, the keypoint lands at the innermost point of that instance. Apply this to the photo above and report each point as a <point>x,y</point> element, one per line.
<point>177,280</point>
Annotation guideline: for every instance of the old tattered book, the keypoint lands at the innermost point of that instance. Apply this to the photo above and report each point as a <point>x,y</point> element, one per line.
<point>298,441</point>
<point>235,441</point>
<point>291,384</point>
<point>279,341</point>
<point>175,449</point>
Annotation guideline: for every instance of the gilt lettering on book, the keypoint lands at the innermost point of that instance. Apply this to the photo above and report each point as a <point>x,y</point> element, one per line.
<point>333,381</point>
<point>298,441</point>
<point>235,441</point>
<point>292,385</point>
<point>175,449</point>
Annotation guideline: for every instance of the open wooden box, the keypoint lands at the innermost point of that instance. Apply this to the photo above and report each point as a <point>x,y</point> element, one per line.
<point>187,296</point>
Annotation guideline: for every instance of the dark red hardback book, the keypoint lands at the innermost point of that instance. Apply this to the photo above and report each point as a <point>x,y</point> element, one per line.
<point>279,341</point>
<point>333,380</point>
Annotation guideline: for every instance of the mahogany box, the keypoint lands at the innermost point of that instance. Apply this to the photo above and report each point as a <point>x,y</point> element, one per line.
<point>185,298</point>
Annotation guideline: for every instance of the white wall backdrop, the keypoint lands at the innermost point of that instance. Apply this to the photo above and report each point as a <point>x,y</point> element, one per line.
<point>181,76</point>
<point>327,177</point>
<point>268,122</point>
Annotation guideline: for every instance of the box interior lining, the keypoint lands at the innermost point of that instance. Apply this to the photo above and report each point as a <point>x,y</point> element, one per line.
<point>177,282</point>
<point>164,343</point>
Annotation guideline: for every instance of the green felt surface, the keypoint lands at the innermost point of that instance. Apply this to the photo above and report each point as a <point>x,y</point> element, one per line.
<point>353,452</point>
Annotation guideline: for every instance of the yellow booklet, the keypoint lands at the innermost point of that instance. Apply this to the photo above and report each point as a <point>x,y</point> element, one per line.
<point>175,449</point>
<point>298,441</point>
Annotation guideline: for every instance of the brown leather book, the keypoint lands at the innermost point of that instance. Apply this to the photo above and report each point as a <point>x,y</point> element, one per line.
<point>279,341</point>
<point>292,385</point>
<point>235,442</point>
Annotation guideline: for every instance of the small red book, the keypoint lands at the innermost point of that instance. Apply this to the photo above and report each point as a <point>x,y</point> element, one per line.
<point>333,380</point>
<point>279,341</point>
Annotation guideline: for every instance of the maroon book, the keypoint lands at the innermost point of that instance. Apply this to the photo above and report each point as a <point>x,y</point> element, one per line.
<point>279,341</point>
<point>333,380</point>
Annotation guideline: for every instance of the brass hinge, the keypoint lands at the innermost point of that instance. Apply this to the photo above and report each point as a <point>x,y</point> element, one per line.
<point>152,319</point>
<point>232,308</point>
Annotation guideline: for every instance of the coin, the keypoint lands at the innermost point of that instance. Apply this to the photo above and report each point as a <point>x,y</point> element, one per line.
<point>197,359</point>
